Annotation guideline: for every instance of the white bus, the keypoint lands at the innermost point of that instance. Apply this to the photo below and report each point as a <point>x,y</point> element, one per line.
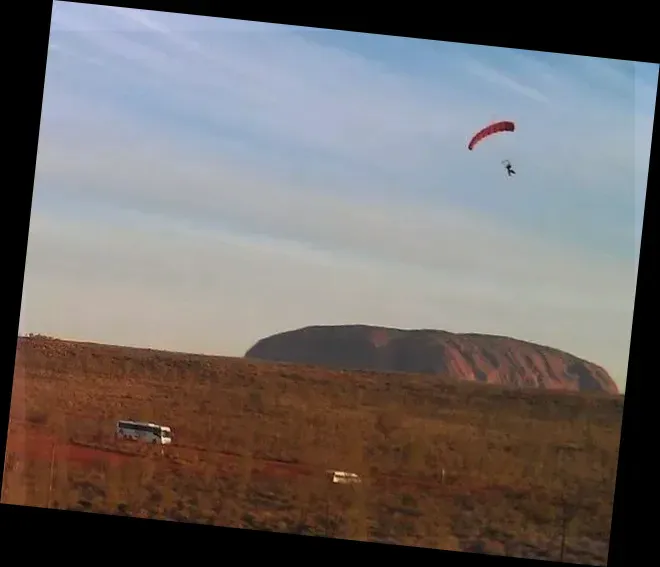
<point>342,477</point>
<point>140,431</point>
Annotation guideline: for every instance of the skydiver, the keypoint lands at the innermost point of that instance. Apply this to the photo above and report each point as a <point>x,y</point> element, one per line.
<point>509,168</point>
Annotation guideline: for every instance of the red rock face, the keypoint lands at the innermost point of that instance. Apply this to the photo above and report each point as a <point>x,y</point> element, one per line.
<point>480,358</point>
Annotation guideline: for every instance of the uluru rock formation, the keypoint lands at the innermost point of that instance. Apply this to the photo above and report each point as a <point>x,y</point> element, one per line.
<point>475,357</point>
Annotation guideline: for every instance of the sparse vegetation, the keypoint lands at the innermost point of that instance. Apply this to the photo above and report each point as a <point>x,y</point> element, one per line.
<point>253,441</point>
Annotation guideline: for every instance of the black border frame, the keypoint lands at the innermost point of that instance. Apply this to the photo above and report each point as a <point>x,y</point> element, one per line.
<point>561,31</point>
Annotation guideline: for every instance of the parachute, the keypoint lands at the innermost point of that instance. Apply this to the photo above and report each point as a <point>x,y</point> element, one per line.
<point>494,128</point>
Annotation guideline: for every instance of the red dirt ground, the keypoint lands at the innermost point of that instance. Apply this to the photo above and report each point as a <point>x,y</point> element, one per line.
<point>37,445</point>
<point>32,443</point>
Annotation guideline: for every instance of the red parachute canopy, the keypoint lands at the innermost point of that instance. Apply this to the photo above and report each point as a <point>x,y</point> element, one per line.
<point>496,127</point>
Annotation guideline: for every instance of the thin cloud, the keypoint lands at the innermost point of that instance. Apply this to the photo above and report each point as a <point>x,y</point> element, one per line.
<point>274,81</point>
<point>135,167</point>
<point>502,80</point>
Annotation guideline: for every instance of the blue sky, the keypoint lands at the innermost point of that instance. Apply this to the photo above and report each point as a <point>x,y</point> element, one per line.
<point>203,183</point>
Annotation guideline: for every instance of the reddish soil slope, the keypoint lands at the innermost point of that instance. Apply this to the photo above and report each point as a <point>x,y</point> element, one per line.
<point>473,357</point>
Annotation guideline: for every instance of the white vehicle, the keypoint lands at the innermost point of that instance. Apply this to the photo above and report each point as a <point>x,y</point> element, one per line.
<point>342,477</point>
<point>140,431</point>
